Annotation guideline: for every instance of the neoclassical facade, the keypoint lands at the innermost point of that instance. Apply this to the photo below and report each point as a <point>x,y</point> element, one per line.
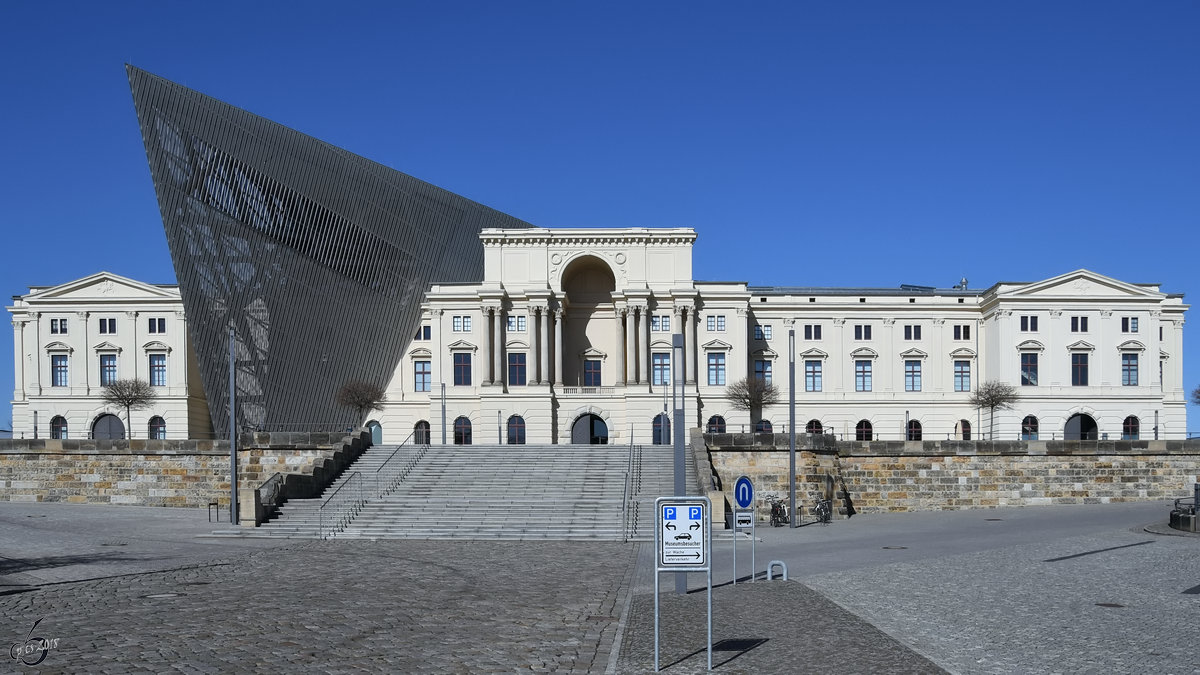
<point>71,340</point>
<point>569,339</point>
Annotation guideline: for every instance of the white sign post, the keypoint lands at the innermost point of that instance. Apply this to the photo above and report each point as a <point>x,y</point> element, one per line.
<point>682,543</point>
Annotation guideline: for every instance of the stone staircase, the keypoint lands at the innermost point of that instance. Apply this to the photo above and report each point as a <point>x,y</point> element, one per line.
<point>501,492</point>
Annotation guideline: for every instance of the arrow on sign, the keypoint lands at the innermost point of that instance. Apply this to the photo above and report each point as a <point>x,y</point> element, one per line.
<point>695,526</point>
<point>670,526</point>
<point>683,555</point>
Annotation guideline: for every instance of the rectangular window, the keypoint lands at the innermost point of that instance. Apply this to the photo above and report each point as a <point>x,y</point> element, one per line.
<point>422,376</point>
<point>58,326</point>
<point>108,326</point>
<point>462,369</point>
<point>516,369</point>
<point>912,376</point>
<point>812,376</point>
<point>1129,370</point>
<point>711,323</point>
<point>716,323</point>
<point>591,373</point>
<point>812,332</point>
<point>1079,324</point>
<point>1129,324</point>
<point>862,332</point>
<point>158,325</point>
<point>716,369</point>
<point>660,369</point>
<point>58,370</point>
<point>1029,324</point>
<point>962,332</point>
<point>1029,369</point>
<point>424,333</point>
<point>962,376</point>
<point>912,332</point>
<point>462,324</point>
<point>1079,370</point>
<point>660,323</point>
<point>158,370</point>
<point>762,370</point>
<point>516,324</point>
<point>762,331</point>
<point>108,369</point>
<point>862,376</point>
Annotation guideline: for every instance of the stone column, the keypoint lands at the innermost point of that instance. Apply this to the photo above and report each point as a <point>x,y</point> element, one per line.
<point>644,349</point>
<point>621,346</point>
<point>497,345</point>
<point>543,343</point>
<point>691,343</point>
<point>19,361</point>
<point>558,347</point>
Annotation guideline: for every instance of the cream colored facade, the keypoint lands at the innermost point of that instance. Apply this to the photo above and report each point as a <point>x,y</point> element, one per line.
<point>67,338</point>
<point>570,323</point>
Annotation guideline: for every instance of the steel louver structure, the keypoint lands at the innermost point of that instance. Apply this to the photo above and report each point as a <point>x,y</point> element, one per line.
<point>316,257</point>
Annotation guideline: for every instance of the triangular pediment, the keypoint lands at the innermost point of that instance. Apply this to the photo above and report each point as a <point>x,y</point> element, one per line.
<point>864,353</point>
<point>1081,346</point>
<point>462,345</point>
<point>766,354</point>
<point>106,347</point>
<point>593,353</point>
<point>716,346</point>
<point>59,347</point>
<point>1131,346</point>
<point>107,287</point>
<point>913,353</point>
<point>1082,285</point>
<point>813,353</point>
<point>1163,355</point>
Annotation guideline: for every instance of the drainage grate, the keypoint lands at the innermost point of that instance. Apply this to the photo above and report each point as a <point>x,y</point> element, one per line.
<point>894,548</point>
<point>1108,604</point>
<point>994,520</point>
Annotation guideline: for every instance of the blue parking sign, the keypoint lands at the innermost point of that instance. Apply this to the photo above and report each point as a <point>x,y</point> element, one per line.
<point>669,513</point>
<point>695,513</point>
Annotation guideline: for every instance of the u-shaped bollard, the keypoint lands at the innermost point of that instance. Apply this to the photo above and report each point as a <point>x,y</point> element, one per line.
<point>782,568</point>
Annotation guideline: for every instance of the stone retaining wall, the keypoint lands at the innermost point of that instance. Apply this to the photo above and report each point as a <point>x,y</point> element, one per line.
<point>937,475</point>
<point>186,473</point>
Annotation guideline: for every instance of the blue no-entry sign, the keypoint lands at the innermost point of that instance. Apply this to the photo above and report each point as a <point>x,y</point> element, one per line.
<point>743,492</point>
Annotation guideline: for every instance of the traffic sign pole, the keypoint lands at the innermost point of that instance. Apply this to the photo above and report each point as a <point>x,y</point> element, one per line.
<point>682,543</point>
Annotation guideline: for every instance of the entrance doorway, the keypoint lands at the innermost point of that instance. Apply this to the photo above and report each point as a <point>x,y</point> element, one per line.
<point>1080,427</point>
<point>662,430</point>
<point>376,432</point>
<point>589,430</point>
<point>108,427</point>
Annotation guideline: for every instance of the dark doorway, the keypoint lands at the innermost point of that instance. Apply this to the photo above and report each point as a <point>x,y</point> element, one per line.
<point>662,430</point>
<point>1080,427</point>
<point>376,432</point>
<point>589,430</point>
<point>108,427</point>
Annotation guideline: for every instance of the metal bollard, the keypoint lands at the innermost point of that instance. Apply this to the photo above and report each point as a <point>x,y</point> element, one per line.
<point>782,567</point>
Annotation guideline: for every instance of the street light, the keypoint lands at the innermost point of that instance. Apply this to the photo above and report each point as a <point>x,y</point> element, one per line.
<point>792,427</point>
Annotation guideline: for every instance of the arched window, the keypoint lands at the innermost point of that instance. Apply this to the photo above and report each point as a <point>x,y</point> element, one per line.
<point>421,433</point>
<point>462,431</point>
<point>1080,427</point>
<point>158,428</point>
<point>762,427</point>
<point>914,430</point>
<point>58,427</point>
<point>516,430</point>
<point>863,431</point>
<point>1029,428</point>
<point>662,429</point>
<point>716,425</point>
<point>963,430</point>
<point>813,427</point>
<point>1130,429</point>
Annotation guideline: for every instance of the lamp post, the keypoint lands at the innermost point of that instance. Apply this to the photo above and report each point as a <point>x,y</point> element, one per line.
<point>792,427</point>
<point>233,463</point>
<point>677,394</point>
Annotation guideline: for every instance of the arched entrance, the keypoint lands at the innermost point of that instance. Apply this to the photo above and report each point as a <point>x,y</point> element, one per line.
<point>662,429</point>
<point>108,427</point>
<point>589,430</point>
<point>376,432</point>
<point>1080,427</point>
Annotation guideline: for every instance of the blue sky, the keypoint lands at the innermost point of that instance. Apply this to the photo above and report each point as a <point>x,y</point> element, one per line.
<point>808,143</point>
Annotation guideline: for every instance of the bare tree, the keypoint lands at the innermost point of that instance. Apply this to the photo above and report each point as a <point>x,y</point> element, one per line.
<point>1196,396</point>
<point>994,395</point>
<point>362,396</point>
<point>751,394</point>
<point>132,394</point>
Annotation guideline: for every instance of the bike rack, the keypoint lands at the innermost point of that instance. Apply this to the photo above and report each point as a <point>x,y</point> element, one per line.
<point>782,567</point>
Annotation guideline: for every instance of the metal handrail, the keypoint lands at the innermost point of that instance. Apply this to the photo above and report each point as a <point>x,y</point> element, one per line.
<point>404,471</point>
<point>270,490</point>
<point>342,518</point>
<point>625,497</point>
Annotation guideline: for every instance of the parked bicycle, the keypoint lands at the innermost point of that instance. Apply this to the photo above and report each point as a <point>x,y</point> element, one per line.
<point>779,513</point>
<point>823,510</point>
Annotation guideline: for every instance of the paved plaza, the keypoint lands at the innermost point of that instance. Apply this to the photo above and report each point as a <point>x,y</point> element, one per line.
<point>1024,590</point>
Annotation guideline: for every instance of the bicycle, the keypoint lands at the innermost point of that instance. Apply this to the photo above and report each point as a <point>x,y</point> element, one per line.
<point>823,510</point>
<point>779,513</point>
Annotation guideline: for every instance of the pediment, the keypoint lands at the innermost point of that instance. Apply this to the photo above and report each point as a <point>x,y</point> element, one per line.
<point>1163,355</point>
<point>1131,346</point>
<point>107,286</point>
<point>106,347</point>
<point>660,344</point>
<point>813,353</point>
<point>864,353</point>
<point>766,353</point>
<point>420,353</point>
<point>1031,346</point>
<point>1085,284</point>
<point>1081,346</point>
<point>593,353</point>
<point>462,346</point>
<point>518,345</point>
<point>59,347</point>
<point>716,346</point>
<point>913,353</point>
<point>156,346</point>
<point>963,353</point>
